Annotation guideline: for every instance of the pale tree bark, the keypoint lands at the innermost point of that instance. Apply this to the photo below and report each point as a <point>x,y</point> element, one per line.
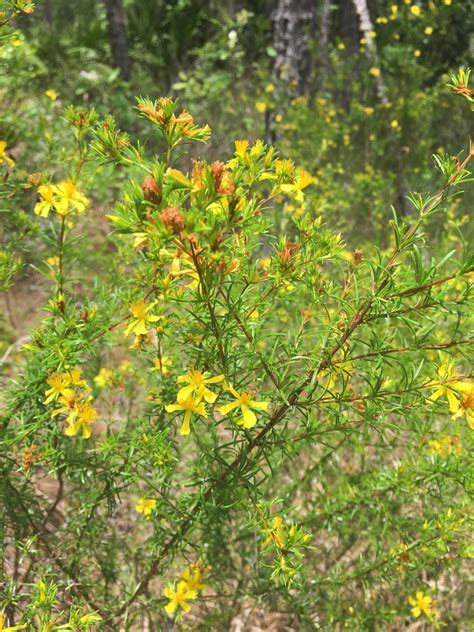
<point>367,28</point>
<point>293,24</point>
<point>118,37</point>
<point>324,32</point>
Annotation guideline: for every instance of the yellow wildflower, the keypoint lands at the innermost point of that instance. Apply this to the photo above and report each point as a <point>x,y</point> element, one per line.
<point>197,382</point>
<point>145,506</point>
<point>189,405</point>
<point>3,155</point>
<point>417,53</point>
<point>141,317</point>
<point>446,445</point>
<point>416,10</point>
<point>261,107</point>
<point>421,604</point>
<point>178,597</point>
<point>275,534</point>
<point>62,198</point>
<point>428,30</point>
<point>162,364</point>
<point>69,198</point>
<point>394,124</point>
<point>244,401</point>
<point>11,628</point>
<point>451,390</point>
<point>241,147</point>
<point>51,94</point>
<point>59,383</point>
<point>193,576</point>
<point>46,204</point>
<point>466,405</point>
<point>84,415</point>
<point>303,179</point>
<point>104,378</point>
<point>448,3</point>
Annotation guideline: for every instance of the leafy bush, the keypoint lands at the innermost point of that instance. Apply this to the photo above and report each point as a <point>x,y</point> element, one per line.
<point>224,406</point>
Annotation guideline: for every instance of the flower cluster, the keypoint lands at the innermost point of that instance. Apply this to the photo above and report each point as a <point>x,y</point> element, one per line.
<point>71,394</point>
<point>62,198</point>
<point>172,126</point>
<point>189,584</point>
<point>192,398</point>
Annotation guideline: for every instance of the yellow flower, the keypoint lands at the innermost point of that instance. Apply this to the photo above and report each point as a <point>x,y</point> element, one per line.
<point>416,10</point>
<point>241,147</point>
<point>421,604</point>
<point>276,534</point>
<point>260,106</point>
<point>51,94</point>
<point>104,378</point>
<point>445,445</point>
<point>466,405</point>
<point>374,71</point>
<point>197,385</point>
<point>145,506</point>
<point>9,629</point>
<point>62,198</point>
<point>69,198</point>
<point>303,179</point>
<point>189,405</point>
<point>451,390</point>
<point>244,401</point>
<point>428,30</point>
<point>178,597</point>
<point>141,317</point>
<point>162,364</point>
<point>82,418</point>
<point>59,383</point>
<point>193,576</point>
<point>76,379</point>
<point>448,3</point>
<point>394,124</point>
<point>47,193</point>
<point>3,156</point>
<point>341,46</point>
<point>417,53</point>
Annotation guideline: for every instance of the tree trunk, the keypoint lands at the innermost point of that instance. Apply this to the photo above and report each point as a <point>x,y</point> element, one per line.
<point>293,23</point>
<point>367,28</point>
<point>48,12</point>
<point>324,31</point>
<point>118,37</point>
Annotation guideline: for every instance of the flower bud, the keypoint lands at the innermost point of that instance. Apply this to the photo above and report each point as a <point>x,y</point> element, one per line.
<point>173,219</point>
